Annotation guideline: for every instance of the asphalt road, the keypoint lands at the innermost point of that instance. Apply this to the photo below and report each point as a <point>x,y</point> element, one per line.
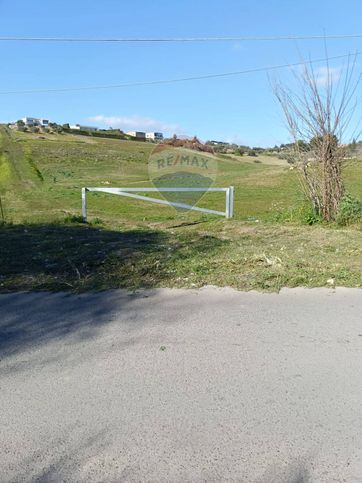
<point>181,386</point>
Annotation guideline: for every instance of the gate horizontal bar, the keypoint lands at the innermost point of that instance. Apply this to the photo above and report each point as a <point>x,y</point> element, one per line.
<point>170,203</point>
<point>129,193</point>
<point>144,190</point>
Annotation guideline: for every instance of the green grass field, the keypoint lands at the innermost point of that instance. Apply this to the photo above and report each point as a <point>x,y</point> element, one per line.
<point>131,243</point>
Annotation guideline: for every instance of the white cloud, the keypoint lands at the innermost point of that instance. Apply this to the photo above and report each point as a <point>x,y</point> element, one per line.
<point>325,75</point>
<point>133,123</point>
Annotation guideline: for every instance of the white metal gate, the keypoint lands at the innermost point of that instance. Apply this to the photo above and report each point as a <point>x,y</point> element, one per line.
<point>131,193</point>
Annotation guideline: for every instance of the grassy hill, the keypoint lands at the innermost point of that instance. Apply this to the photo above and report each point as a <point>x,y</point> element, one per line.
<point>41,177</point>
<point>130,243</point>
<point>48,171</point>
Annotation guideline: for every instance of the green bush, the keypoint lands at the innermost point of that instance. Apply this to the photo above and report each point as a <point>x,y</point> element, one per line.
<point>73,219</point>
<point>350,211</point>
<point>311,217</point>
<point>96,221</point>
<point>252,153</point>
<point>303,214</point>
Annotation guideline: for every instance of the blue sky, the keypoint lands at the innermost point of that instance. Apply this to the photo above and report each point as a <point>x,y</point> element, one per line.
<point>240,109</point>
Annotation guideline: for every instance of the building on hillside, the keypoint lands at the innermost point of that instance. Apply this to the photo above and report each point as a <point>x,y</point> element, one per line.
<point>137,134</point>
<point>216,143</point>
<point>154,136</point>
<point>34,121</point>
<point>79,127</point>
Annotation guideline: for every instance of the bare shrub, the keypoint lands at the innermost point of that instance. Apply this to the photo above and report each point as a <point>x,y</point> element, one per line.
<point>317,116</point>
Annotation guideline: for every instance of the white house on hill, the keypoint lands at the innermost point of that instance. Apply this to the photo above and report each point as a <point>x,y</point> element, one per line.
<point>34,121</point>
<point>154,136</point>
<point>137,134</point>
<point>79,127</point>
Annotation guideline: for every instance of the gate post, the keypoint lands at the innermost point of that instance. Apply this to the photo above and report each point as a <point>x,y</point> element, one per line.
<point>84,205</point>
<point>231,202</point>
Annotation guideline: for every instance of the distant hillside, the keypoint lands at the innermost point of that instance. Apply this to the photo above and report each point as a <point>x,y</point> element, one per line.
<point>41,175</point>
<point>37,170</point>
<point>54,128</point>
<point>43,172</point>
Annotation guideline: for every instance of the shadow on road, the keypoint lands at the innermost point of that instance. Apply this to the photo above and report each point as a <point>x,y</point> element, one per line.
<point>77,258</point>
<point>28,321</point>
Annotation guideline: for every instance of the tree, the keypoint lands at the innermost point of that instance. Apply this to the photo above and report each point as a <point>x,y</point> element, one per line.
<point>302,145</point>
<point>318,113</point>
<point>317,140</point>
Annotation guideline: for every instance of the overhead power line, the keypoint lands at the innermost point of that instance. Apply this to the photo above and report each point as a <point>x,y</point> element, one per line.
<point>182,39</point>
<point>181,79</point>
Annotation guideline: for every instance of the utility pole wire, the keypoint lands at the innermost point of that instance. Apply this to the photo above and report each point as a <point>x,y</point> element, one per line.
<point>182,79</point>
<point>182,39</point>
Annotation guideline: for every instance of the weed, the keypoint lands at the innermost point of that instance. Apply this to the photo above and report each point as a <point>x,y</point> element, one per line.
<point>350,211</point>
<point>73,219</point>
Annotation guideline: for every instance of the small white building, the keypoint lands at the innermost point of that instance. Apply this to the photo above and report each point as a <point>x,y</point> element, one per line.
<point>79,127</point>
<point>34,121</point>
<point>154,136</point>
<point>137,134</point>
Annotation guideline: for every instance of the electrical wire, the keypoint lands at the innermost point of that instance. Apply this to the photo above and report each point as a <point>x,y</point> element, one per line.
<point>182,79</point>
<point>182,39</point>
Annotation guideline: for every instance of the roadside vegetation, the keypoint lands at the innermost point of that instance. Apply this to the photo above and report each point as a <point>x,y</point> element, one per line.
<point>318,115</point>
<point>275,239</point>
